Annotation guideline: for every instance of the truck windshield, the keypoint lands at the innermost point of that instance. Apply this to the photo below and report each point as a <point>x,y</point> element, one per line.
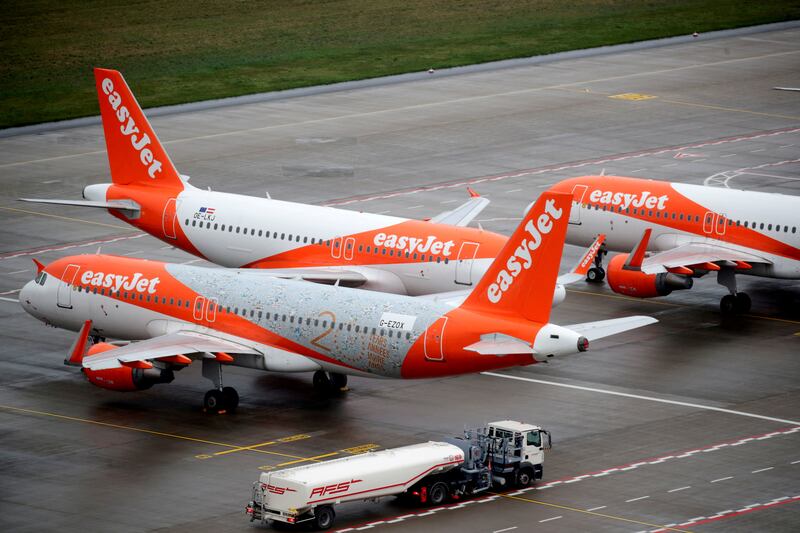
<point>534,439</point>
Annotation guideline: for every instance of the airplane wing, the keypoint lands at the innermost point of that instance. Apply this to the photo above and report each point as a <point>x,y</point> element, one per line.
<point>606,328</point>
<point>582,267</point>
<point>325,276</point>
<point>128,205</point>
<point>463,214</point>
<point>690,254</point>
<point>179,343</point>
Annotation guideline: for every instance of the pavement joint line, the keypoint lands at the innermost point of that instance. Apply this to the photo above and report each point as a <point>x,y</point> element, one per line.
<point>592,513</point>
<point>649,398</point>
<point>70,219</point>
<point>138,430</point>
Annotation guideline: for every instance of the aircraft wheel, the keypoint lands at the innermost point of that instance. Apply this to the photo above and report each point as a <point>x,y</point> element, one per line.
<point>231,398</point>
<point>214,401</point>
<point>595,275</point>
<point>324,516</point>
<point>321,381</point>
<point>743,303</point>
<point>338,381</point>
<point>727,305</point>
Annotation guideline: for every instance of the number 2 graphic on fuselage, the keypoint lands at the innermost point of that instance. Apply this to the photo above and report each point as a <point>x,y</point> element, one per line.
<point>315,340</point>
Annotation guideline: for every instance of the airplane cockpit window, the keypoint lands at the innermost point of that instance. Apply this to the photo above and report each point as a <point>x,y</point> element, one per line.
<point>40,278</point>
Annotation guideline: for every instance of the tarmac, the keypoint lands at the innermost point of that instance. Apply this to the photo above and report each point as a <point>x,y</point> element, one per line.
<point>692,424</point>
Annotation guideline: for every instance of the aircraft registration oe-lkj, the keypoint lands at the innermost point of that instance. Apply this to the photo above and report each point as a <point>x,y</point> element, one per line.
<point>691,230</point>
<point>310,242</point>
<point>181,313</point>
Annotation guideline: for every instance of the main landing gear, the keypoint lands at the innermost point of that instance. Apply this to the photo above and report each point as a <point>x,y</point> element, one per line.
<point>329,381</point>
<point>219,399</point>
<point>597,273</point>
<point>735,302</point>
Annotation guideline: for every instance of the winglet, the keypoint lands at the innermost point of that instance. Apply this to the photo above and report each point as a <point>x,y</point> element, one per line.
<point>636,257</point>
<point>39,265</point>
<point>78,350</point>
<point>472,192</point>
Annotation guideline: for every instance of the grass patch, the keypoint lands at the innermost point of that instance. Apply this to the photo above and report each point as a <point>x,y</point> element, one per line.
<point>175,52</point>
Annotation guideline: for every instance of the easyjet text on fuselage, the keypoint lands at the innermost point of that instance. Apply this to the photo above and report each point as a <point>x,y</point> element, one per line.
<point>625,200</point>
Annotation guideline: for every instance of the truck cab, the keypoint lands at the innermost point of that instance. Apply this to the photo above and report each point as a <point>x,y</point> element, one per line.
<point>518,452</point>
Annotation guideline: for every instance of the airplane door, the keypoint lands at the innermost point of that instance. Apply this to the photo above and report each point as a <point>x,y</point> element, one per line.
<point>336,247</point>
<point>349,246</point>
<point>466,254</point>
<point>205,311</point>
<point>708,223</point>
<point>170,219</point>
<point>720,224</point>
<point>64,297</point>
<point>434,340</point>
<point>578,192</point>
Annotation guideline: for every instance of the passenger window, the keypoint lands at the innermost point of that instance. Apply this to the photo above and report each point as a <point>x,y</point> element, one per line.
<point>187,221</point>
<point>769,227</point>
<point>761,226</point>
<point>324,323</point>
<point>172,301</point>
<point>360,248</point>
<point>794,230</point>
<point>283,235</point>
<point>275,235</point>
<point>290,237</point>
<point>305,240</point>
<point>357,328</point>
<point>408,336</point>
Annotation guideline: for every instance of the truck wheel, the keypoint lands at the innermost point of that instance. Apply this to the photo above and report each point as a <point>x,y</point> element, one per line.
<point>524,477</point>
<point>438,493</point>
<point>323,517</point>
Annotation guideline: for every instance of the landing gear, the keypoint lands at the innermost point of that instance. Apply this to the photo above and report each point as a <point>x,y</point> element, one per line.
<point>219,399</point>
<point>597,273</point>
<point>329,382</point>
<point>735,302</point>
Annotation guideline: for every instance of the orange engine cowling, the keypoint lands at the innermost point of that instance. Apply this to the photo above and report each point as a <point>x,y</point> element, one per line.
<point>124,379</point>
<point>637,283</point>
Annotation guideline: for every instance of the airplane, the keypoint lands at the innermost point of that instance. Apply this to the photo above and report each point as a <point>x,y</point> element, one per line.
<point>182,313</point>
<point>310,242</point>
<point>690,230</point>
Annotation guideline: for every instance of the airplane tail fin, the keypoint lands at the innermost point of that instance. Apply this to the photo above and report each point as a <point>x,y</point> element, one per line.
<point>522,279</point>
<point>135,154</point>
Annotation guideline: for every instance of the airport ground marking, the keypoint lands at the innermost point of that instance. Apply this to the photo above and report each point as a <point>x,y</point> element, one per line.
<point>13,300</point>
<point>557,167</point>
<point>80,244</point>
<point>729,513</point>
<point>142,430</point>
<point>647,398</point>
<point>70,219</point>
<point>591,513</point>
<point>253,447</point>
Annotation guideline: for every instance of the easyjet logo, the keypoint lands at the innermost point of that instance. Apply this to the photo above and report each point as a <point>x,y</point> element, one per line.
<point>116,282</point>
<point>128,128</point>
<point>626,200</point>
<point>335,488</point>
<point>414,244</point>
<point>522,258</point>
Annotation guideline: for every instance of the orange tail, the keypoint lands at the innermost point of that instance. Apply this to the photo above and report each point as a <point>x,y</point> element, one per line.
<point>522,279</point>
<point>135,154</point>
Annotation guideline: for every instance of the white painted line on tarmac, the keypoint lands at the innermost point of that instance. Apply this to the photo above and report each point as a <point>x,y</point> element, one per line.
<point>448,201</point>
<point>721,479</point>
<point>680,488</point>
<point>50,182</point>
<point>757,150</point>
<point>647,398</point>
<point>513,190</point>
<point>596,508</point>
<point>415,206</point>
<point>727,155</point>
<point>795,462</point>
<point>637,499</point>
<point>549,519</point>
<point>506,529</point>
<point>762,470</point>
<point>9,299</point>
<point>18,272</point>
<point>10,292</point>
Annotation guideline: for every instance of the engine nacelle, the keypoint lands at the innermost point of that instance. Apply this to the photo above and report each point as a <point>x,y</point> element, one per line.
<point>559,294</point>
<point>640,285</point>
<point>124,379</point>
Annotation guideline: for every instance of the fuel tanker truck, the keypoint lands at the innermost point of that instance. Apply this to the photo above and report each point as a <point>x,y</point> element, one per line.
<point>500,455</point>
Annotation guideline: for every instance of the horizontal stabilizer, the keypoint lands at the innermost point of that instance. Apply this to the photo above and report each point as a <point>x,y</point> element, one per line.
<point>463,214</point>
<point>606,328</point>
<point>180,343</point>
<point>116,204</point>
<point>500,344</point>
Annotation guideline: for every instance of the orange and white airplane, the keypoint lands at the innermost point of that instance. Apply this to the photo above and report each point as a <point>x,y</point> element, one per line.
<point>315,243</point>
<point>181,313</point>
<point>691,230</point>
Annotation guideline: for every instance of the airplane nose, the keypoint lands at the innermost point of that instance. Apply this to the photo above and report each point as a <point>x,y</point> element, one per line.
<point>26,298</point>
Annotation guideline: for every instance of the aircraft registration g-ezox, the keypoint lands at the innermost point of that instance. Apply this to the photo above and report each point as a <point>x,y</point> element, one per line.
<point>315,243</point>
<point>183,313</point>
<point>692,230</point>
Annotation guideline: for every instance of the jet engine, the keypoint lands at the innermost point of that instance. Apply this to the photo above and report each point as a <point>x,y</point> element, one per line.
<point>124,379</point>
<point>637,283</point>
